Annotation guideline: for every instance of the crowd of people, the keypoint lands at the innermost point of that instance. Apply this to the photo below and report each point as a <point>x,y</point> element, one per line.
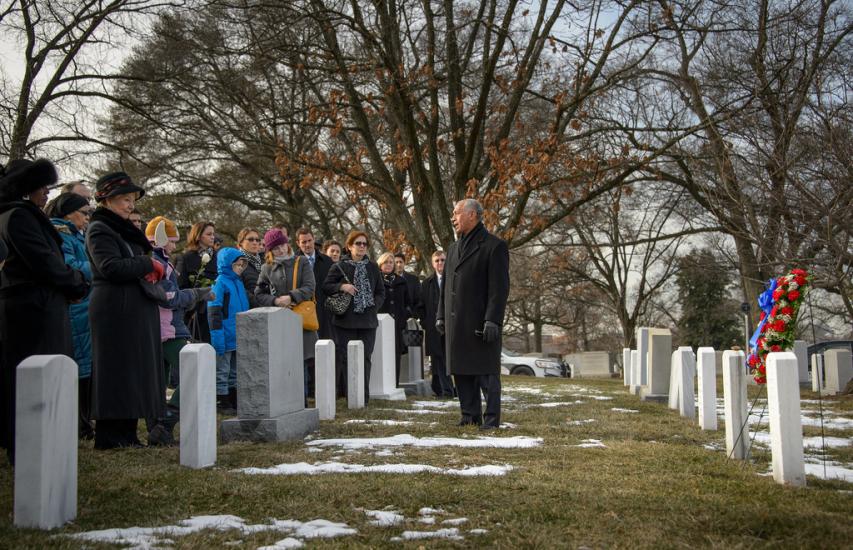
<point>99,284</point>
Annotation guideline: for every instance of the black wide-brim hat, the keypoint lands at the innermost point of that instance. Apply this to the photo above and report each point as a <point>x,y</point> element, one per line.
<point>116,183</point>
<point>22,176</point>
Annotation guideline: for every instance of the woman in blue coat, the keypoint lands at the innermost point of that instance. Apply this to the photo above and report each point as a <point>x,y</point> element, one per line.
<point>69,213</point>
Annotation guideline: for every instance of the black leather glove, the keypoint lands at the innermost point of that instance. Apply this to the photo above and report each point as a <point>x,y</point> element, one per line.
<point>491,332</point>
<point>439,326</point>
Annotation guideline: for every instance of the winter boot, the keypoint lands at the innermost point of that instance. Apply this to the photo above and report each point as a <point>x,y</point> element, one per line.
<point>232,398</point>
<point>224,406</point>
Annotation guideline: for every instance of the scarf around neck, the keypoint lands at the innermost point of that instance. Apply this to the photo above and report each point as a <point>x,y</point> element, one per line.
<point>363,299</point>
<point>123,227</point>
<point>254,259</point>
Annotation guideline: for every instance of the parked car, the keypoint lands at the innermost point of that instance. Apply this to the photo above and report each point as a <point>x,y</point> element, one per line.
<point>525,365</point>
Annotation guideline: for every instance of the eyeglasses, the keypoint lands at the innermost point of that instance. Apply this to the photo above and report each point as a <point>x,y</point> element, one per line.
<point>360,243</point>
<point>253,239</point>
<point>86,212</point>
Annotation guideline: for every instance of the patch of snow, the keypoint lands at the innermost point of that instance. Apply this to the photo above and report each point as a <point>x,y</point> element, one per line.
<point>816,442</point>
<point>581,422</point>
<point>385,452</point>
<point>303,468</point>
<point>596,397</point>
<point>451,533</point>
<point>435,404</point>
<point>382,422</point>
<point>455,521</point>
<point>559,403</point>
<point>515,442</point>
<point>617,409</point>
<point>478,531</point>
<point>289,542</point>
<point>384,518</point>
<point>429,520</point>
<point>591,443</point>
<point>834,470</point>
<point>427,511</point>
<point>415,411</point>
<point>508,425</point>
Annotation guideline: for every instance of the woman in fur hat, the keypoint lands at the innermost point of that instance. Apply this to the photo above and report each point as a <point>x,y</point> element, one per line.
<point>127,361</point>
<point>36,285</point>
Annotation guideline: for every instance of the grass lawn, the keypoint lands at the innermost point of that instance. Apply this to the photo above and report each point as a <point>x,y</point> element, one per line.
<point>657,481</point>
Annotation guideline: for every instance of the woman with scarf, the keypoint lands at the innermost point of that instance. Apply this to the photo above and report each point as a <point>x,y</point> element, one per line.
<point>249,243</point>
<point>69,213</point>
<point>127,360</point>
<point>196,268</point>
<point>36,284</point>
<point>358,276</point>
<point>276,288</point>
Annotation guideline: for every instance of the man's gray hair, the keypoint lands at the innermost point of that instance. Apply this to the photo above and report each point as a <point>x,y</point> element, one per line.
<point>473,205</point>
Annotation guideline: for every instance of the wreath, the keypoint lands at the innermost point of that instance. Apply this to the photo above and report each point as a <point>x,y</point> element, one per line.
<point>779,306</point>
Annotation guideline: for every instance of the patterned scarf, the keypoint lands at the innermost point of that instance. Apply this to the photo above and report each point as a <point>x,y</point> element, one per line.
<point>254,259</point>
<point>363,299</point>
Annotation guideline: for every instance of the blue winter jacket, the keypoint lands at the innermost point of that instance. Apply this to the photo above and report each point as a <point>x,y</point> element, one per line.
<point>230,300</point>
<point>74,249</point>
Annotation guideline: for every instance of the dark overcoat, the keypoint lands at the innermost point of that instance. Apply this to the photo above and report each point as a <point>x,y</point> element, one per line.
<point>350,319</point>
<point>127,362</point>
<point>322,265</point>
<point>35,288</point>
<point>276,280</point>
<point>188,266</point>
<point>476,288</point>
<point>397,305</point>
<point>434,342</point>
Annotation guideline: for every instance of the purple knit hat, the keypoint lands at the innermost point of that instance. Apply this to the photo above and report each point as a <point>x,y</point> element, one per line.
<point>273,238</point>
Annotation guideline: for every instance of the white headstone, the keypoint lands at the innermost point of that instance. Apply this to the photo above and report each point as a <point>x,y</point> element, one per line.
<point>590,364</point>
<point>626,366</point>
<point>817,372</point>
<point>383,370</point>
<point>801,350</point>
<point>735,404</point>
<point>656,387</point>
<point>686,403</point>
<point>46,441</point>
<point>198,405</point>
<point>270,379</point>
<point>674,380</point>
<point>324,369</point>
<point>707,370</point>
<point>634,388</point>
<point>786,429</point>
<point>643,354</point>
<point>838,369</point>
<point>355,374</point>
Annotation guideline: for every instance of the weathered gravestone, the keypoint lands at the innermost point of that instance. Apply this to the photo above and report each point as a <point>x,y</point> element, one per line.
<point>46,441</point>
<point>682,379</point>
<point>626,366</point>
<point>383,375</point>
<point>270,379</point>
<point>838,369</point>
<point>641,372</point>
<point>656,387</point>
<point>324,369</point>
<point>590,364</point>
<point>634,388</point>
<point>735,403</point>
<point>355,375</point>
<point>707,371</point>
<point>786,429</point>
<point>801,350</point>
<point>198,405</point>
<point>817,372</point>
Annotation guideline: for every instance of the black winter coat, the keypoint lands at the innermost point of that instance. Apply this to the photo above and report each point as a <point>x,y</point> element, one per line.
<point>250,281</point>
<point>397,305</point>
<point>351,319</point>
<point>427,313</point>
<point>187,265</point>
<point>476,288</point>
<point>322,265</point>
<point>127,361</point>
<point>35,287</point>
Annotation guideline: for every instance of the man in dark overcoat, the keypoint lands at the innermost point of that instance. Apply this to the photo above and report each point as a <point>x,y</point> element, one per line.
<point>442,384</point>
<point>471,313</point>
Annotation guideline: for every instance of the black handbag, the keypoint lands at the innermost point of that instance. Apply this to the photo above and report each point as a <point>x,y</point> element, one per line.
<point>338,303</point>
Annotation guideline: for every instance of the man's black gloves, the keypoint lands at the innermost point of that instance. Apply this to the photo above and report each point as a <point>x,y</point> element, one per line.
<point>491,331</point>
<point>439,326</point>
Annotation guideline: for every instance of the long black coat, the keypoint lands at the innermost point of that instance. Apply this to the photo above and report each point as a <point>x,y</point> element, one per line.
<point>127,362</point>
<point>430,299</point>
<point>322,265</point>
<point>397,305</point>
<point>188,265</point>
<point>351,319</point>
<point>476,288</point>
<point>35,287</point>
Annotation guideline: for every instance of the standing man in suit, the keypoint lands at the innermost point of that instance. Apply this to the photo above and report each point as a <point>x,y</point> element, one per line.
<point>442,384</point>
<point>471,312</point>
<point>321,264</point>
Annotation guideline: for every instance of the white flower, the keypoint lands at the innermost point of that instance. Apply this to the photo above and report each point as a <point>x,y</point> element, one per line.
<point>205,258</point>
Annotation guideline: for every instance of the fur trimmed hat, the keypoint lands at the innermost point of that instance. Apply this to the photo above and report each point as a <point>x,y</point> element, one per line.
<point>171,228</point>
<point>22,176</point>
<point>116,183</point>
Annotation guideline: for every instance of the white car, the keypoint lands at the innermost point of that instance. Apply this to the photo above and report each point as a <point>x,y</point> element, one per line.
<point>514,363</point>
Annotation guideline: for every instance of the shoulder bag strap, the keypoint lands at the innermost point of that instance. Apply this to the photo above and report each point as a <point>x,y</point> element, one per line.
<point>295,271</point>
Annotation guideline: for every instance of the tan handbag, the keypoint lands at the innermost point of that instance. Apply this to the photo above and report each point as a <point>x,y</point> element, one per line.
<point>307,309</point>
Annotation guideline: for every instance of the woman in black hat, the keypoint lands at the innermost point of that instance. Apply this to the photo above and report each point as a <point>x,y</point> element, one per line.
<point>127,371</point>
<point>35,285</point>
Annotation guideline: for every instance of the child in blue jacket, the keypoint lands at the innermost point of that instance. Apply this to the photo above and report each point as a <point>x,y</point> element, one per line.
<point>222,312</point>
